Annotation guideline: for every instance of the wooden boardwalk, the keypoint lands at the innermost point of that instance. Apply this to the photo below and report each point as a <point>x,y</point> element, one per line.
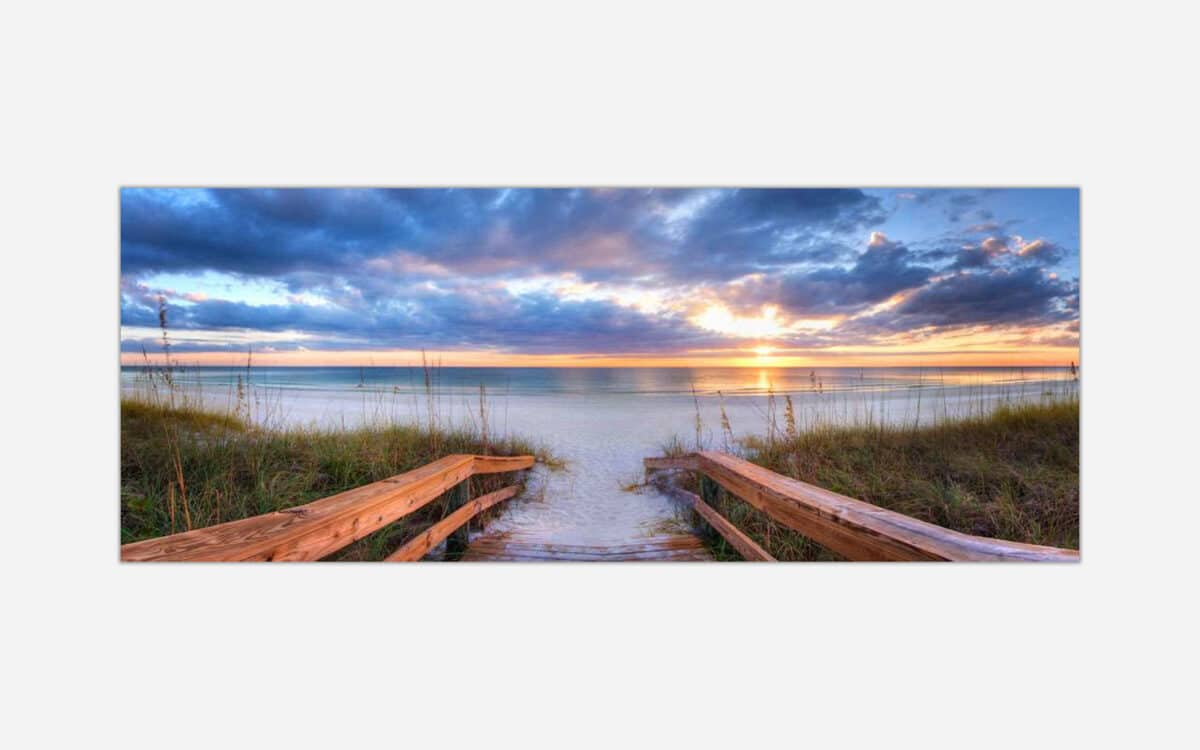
<point>851,528</point>
<point>516,547</point>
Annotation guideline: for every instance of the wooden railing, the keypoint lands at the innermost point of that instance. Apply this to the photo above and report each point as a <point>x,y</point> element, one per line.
<point>851,528</point>
<point>312,531</point>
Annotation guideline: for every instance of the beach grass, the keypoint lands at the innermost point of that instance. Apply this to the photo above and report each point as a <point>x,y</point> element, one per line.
<point>184,466</point>
<point>1012,474</point>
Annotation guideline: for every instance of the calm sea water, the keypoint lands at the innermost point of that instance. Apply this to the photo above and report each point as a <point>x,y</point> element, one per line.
<point>648,381</point>
<point>604,421</point>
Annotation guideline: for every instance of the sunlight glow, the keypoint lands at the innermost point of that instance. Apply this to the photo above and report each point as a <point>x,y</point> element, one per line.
<point>603,277</point>
<point>813,324</point>
<point>718,318</point>
<point>569,288</point>
<point>884,306</point>
<point>233,353</point>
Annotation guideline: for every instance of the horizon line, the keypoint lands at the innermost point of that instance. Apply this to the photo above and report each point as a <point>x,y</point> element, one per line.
<point>136,361</point>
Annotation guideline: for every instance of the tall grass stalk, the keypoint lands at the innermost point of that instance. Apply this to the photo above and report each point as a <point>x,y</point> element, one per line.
<point>187,463</point>
<point>1003,462</point>
<point>789,416</point>
<point>726,427</point>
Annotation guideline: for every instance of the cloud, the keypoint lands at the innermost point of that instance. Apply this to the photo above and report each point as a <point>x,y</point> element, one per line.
<point>994,245</point>
<point>998,298</point>
<point>885,268</point>
<point>553,270</point>
<point>987,227</point>
<point>458,317</point>
<point>957,205</point>
<point>1041,251</point>
<point>981,255</point>
<point>676,232</point>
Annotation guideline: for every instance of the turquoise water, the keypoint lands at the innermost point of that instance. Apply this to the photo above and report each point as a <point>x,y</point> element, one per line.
<point>647,381</point>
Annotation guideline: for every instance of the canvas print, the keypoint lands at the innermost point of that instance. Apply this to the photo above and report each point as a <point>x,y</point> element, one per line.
<point>707,374</point>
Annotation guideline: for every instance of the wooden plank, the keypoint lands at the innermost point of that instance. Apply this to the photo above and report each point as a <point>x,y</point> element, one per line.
<point>674,554</point>
<point>746,547</point>
<point>476,555</point>
<point>497,545</point>
<point>587,557</point>
<point>519,547</point>
<point>456,543</point>
<point>421,545</point>
<point>500,464</point>
<point>312,531</point>
<point>856,529</point>
<point>523,537</point>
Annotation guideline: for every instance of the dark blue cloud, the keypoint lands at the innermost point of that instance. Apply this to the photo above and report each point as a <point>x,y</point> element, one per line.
<point>1026,296</point>
<point>428,267</point>
<point>268,232</point>
<point>981,255</point>
<point>539,324</point>
<point>958,205</point>
<point>882,270</point>
<point>747,231</point>
<point>274,232</point>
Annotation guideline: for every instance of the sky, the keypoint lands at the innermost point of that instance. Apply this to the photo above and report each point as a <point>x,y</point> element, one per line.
<point>602,277</point>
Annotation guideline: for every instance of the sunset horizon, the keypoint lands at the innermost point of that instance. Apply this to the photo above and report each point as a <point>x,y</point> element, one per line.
<point>601,277</point>
<point>750,360</point>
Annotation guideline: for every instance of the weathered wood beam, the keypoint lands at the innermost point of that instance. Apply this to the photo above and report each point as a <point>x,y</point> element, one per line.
<point>745,546</point>
<point>456,543</point>
<point>500,464</point>
<point>421,545</point>
<point>855,529</point>
<point>852,528</point>
<point>312,531</point>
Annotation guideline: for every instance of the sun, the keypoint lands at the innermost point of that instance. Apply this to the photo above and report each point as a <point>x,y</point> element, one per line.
<point>764,352</point>
<point>719,318</point>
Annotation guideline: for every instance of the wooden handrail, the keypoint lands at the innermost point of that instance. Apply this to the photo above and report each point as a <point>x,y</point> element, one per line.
<point>852,528</point>
<point>420,545</point>
<point>312,531</point>
<point>745,546</point>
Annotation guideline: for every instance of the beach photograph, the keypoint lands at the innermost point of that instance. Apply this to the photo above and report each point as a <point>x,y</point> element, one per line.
<point>600,374</point>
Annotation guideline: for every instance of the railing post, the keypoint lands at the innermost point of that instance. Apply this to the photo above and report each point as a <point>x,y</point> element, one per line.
<point>708,493</point>
<point>456,543</point>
